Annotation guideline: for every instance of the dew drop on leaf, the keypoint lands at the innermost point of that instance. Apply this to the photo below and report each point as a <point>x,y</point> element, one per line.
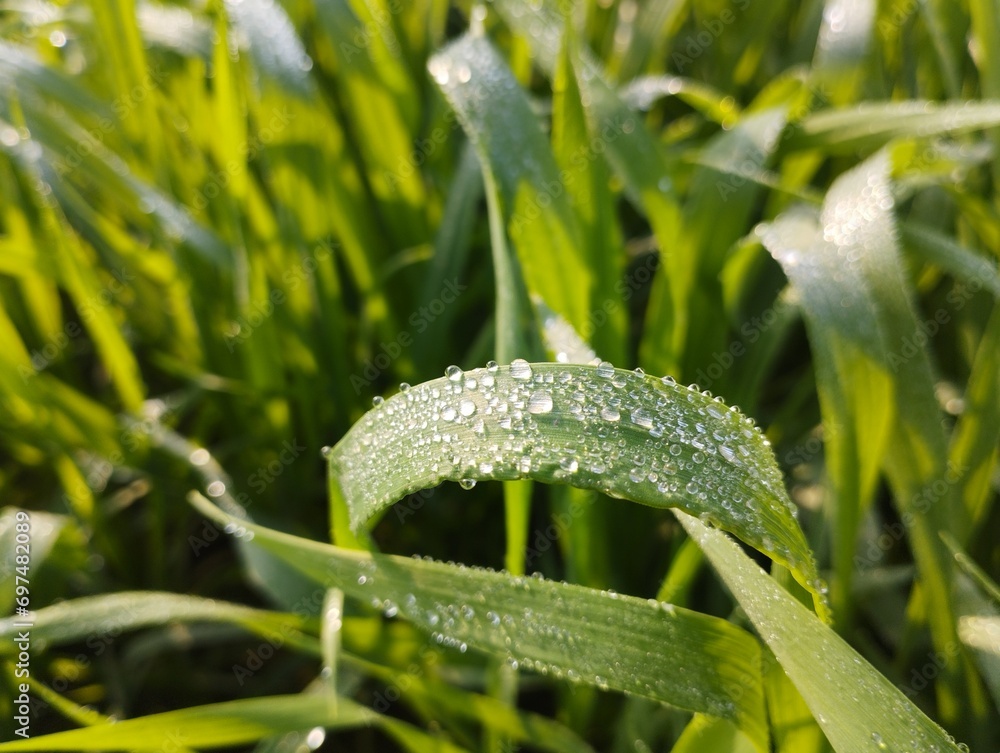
<point>520,369</point>
<point>540,402</point>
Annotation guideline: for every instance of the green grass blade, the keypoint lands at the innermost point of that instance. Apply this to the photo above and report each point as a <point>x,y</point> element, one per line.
<point>856,706</point>
<point>869,126</point>
<point>584,173</point>
<point>647,35</point>
<point>985,17</point>
<point>637,158</point>
<point>674,655</point>
<point>622,433</point>
<point>974,441</point>
<point>520,726</point>
<point>214,726</point>
<point>855,396</point>
<point>272,42</point>
<point>857,302</point>
<point>495,112</point>
<point>980,634</point>
<point>76,619</point>
<point>940,250</point>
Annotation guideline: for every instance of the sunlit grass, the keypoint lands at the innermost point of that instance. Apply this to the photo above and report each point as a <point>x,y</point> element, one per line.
<point>226,227</point>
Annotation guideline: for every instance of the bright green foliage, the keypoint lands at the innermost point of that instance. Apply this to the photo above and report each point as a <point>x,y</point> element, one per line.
<point>226,226</point>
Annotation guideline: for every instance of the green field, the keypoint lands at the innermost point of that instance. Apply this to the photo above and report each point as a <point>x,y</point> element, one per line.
<point>708,286</point>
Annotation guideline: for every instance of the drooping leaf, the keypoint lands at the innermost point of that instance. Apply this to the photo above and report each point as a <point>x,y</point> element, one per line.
<point>622,433</point>
<point>674,655</point>
<point>856,706</point>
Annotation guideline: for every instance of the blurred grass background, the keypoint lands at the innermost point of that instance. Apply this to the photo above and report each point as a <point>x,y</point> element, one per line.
<point>226,226</point>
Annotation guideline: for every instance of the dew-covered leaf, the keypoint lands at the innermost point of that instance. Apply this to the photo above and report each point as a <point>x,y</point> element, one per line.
<point>673,655</point>
<point>271,40</point>
<point>623,433</point>
<point>517,159</point>
<point>875,380</point>
<point>857,707</point>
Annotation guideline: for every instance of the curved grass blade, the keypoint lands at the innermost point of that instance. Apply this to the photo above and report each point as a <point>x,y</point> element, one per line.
<point>623,433</point>
<point>673,655</point>
<point>857,707</point>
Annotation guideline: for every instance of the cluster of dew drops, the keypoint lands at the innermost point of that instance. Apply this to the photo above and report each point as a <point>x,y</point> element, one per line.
<point>688,437</point>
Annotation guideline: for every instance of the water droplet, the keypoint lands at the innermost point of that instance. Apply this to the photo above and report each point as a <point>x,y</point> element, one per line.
<point>377,401</point>
<point>362,579</point>
<point>216,489</point>
<point>570,465</point>
<point>520,369</point>
<point>879,742</point>
<point>448,413</point>
<point>540,402</point>
<point>404,387</point>
<point>642,418</point>
<point>199,456</point>
<point>727,452</point>
<point>605,370</point>
<point>609,413</point>
<point>466,407</point>
<point>716,410</point>
<point>453,373</point>
<point>492,367</point>
<point>691,488</point>
<point>467,483</point>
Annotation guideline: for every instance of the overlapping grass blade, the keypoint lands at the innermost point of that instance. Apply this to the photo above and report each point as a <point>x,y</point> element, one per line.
<point>673,655</point>
<point>495,113</point>
<point>858,709</point>
<point>863,326</point>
